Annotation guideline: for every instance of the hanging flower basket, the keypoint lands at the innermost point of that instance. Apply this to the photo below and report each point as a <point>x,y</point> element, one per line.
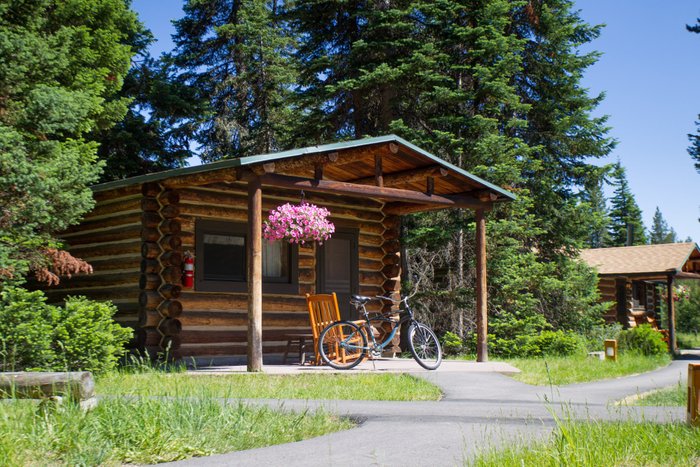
<point>298,223</point>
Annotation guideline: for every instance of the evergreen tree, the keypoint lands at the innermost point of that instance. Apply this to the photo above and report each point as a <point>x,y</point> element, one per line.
<point>61,63</point>
<point>563,135</point>
<point>598,219</point>
<point>660,232</point>
<point>156,132</point>
<point>236,56</point>
<point>626,226</point>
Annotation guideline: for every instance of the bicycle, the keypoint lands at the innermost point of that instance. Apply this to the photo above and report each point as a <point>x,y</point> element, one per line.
<point>344,344</point>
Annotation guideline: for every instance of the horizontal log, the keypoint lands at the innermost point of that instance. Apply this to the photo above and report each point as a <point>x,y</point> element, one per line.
<point>224,301</point>
<point>392,222</point>
<point>391,247</point>
<point>170,308</point>
<point>372,278</point>
<point>169,197</point>
<point>150,266</point>
<point>371,252</point>
<point>391,285</point>
<point>112,234</point>
<point>391,271</point>
<point>170,327</point>
<point>98,280</point>
<point>78,385</point>
<point>120,263</point>
<point>149,281</point>
<point>170,291</point>
<point>402,177</point>
<point>150,234</point>
<point>150,204</point>
<point>213,212</point>
<point>171,258</point>
<point>170,211</point>
<point>106,250</point>
<point>118,292</point>
<point>371,240</point>
<point>102,209</point>
<point>370,264</point>
<point>150,319</point>
<point>149,299</point>
<point>241,319</point>
<point>214,336</point>
<point>170,343</point>
<point>170,227</point>
<point>170,242</point>
<point>172,275</point>
<point>151,220</point>
<point>391,259</point>
<point>150,250</point>
<point>151,189</point>
<point>118,219</point>
<point>116,193</point>
<point>201,178</point>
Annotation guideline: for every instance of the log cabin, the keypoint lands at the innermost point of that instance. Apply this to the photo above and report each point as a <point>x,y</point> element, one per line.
<point>249,293</point>
<point>637,278</point>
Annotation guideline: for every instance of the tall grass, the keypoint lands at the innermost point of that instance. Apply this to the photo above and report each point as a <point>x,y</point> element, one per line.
<point>595,443</point>
<point>386,386</point>
<point>676,396</point>
<point>146,431</point>
<point>581,368</point>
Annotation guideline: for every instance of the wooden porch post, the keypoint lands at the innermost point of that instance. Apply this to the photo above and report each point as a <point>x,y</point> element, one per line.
<point>671,310</point>
<point>482,351</point>
<point>255,362</point>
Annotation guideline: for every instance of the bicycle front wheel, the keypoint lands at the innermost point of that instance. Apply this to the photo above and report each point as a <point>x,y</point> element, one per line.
<point>424,346</point>
<point>342,345</point>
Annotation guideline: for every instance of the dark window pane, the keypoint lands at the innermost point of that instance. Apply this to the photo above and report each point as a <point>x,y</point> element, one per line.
<point>224,257</point>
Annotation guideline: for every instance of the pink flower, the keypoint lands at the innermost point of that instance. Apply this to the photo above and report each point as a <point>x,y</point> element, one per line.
<point>298,223</point>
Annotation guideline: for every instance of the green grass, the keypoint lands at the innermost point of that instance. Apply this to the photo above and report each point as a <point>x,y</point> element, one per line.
<point>596,443</point>
<point>581,368</point>
<point>674,396</point>
<point>688,340</point>
<point>388,386</point>
<point>144,431</point>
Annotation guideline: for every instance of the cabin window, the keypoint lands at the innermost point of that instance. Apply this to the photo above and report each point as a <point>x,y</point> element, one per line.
<point>221,263</point>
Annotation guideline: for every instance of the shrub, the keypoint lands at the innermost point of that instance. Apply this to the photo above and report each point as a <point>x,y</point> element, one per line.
<point>642,339</point>
<point>688,310</point>
<point>451,343</point>
<point>596,335</point>
<point>26,327</point>
<point>86,337</point>
<point>37,336</point>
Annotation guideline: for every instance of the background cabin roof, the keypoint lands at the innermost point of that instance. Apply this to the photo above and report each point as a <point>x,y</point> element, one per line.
<point>355,163</point>
<point>664,258</point>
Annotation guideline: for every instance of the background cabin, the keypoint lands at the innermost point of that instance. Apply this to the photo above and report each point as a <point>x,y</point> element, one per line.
<point>636,278</point>
<point>249,293</point>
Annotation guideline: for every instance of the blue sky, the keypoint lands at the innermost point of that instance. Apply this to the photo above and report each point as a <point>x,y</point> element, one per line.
<point>649,71</point>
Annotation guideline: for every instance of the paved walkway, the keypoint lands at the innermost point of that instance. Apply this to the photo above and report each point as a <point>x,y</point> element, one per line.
<point>480,410</point>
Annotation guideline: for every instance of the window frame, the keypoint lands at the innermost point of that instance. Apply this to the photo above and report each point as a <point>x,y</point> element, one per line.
<point>206,226</point>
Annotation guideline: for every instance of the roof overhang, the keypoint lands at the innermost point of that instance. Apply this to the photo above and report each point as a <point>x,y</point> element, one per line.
<point>388,168</point>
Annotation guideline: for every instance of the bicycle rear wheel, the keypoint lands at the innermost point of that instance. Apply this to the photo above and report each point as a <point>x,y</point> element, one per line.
<point>424,346</point>
<point>342,345</point>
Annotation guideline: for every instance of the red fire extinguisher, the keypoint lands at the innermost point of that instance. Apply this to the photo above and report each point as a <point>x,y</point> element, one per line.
<point>188,272</point>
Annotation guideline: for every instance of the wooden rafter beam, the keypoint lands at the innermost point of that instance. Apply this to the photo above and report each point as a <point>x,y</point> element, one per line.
<point>405,176</point>
<point>463,201</point>
<point>368,191</point>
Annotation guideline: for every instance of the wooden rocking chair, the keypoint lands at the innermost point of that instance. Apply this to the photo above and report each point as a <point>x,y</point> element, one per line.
<point>323,310</point>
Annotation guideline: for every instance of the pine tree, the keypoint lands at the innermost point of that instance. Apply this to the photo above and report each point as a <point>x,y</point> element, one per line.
<point>156,132</point>
<point>597,217</point>
<point>660,232</point>
<point>61,65</point>
<point>236,56</point>
<point>560,129</point>
<point>626,226</point>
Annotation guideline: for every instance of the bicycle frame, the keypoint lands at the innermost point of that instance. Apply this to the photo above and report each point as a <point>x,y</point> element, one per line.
<point>406,316</point>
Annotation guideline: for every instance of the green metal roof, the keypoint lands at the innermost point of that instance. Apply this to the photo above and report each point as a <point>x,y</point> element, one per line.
<point>263,158</point>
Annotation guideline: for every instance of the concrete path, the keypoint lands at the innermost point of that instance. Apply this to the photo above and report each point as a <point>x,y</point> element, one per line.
<point>480,410</point>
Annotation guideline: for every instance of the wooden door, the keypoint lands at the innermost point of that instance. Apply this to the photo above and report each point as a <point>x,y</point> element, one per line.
<point>337,269</point>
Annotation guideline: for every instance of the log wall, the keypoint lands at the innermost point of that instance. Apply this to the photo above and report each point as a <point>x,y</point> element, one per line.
<point>108,239</point>
<point>215,323</point>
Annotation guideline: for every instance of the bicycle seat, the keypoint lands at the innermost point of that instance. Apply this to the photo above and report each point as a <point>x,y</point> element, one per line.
<point>359,299</point>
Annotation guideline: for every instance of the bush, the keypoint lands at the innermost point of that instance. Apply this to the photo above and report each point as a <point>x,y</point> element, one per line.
<point>643,340</point>
<point>688,310</point>
<point>26,327</point>
<point>452,344</point>
<point>37,336</point>
<point>596,335</point>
